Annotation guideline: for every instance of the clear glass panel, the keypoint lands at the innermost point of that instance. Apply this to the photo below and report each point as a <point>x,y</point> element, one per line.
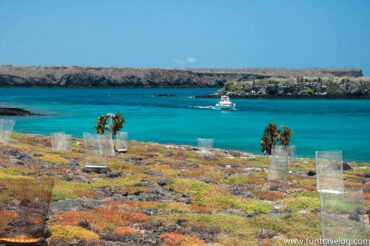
<point>60,141</point>
<point>122,141</point>
<point>95,149</point>
<point>279,162</point>
<point>24,207</point>
<point>205,145</point>
<point>329,171</point>
<point>106,144</point>
<point>291,150</point>
<point>342,216</point>
<point>6,128</point>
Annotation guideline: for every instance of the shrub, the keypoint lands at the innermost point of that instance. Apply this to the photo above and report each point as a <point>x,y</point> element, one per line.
<point>302,202</point>
<point>176,239</point>
<point>73,232</point>
<point>126,230</point>
<point>101,218</point>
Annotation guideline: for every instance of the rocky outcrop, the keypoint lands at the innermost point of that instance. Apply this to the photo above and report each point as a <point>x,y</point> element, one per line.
<point>300,87</point>
<point>15,112</point>
<point>17,76</point>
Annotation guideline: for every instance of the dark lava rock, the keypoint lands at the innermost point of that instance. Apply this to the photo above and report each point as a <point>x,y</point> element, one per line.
<point>15,112</point>
<point>153,173</point>
<point>164,182</point>
<point>94,170</point>
<point>16,154</point>
<point>113,175</point>
<point>355,217</point>
<point>75,204</point>
<point>74,164</point>
<point>135,160</point>
<point>346,166</point>
<point>166,95</point>
<point>206,180</point>
<point>68,177</point>
<point>274,187</point>
<point>181,221</point>
<point>265,234</point>
<point>85,224</point>
<point>311,173</point>
<point>17,162</point>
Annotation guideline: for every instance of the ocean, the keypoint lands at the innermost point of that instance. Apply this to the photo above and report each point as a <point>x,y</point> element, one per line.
<point>318,124</point>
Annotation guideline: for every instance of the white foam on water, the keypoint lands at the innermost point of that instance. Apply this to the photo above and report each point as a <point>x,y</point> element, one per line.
<point>204,107</point>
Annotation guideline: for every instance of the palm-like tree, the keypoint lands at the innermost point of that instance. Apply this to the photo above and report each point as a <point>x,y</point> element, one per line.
<point>272,135</point>
<point>116,122</point>
<point>285,136</point>
<point>269,138</point>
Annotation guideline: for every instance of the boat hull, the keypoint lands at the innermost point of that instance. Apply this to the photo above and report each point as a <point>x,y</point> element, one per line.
<point>230,108</point>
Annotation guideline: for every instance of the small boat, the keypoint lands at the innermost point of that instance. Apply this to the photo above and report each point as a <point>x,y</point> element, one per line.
<point>225,104</point>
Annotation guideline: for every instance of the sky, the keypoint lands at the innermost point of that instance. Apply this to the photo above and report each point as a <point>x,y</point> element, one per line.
<point>186,33</point>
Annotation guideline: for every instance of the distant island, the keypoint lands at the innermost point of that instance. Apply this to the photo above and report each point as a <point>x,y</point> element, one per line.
<point>242,83</point>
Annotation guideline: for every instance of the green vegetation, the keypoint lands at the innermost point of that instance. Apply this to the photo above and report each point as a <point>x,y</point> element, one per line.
<point>225,198</point>
<point>73,232</point>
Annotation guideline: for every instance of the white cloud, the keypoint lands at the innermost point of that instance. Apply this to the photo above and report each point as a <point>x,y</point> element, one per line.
<point>185,61</point>
<point>179,61</point>
<point>191,59</point>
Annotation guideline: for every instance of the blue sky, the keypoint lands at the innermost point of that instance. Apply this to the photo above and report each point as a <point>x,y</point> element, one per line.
<point>186,33</point>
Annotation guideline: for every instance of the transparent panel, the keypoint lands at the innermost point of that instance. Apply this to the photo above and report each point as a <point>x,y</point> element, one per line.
<point>106,144</point>
<point>279,162</point>
<point>205,145</point>
<point>95,151</point>
<point>6,128</point>
<point>329,171</point>
<point>60,141</point>
<point>291,150</point>
<point>24,207</point>
<point>342,216</point>
<point>122,141</point>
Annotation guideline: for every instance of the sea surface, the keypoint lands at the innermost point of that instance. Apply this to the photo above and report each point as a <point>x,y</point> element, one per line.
<point>317,124</point>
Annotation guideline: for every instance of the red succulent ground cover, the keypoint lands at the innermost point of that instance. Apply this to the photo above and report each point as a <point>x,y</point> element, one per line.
<point>169,195</point>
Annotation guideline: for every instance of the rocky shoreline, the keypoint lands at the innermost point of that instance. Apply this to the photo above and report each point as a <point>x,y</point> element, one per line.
<point>16,112</point>
<point>329,88</point>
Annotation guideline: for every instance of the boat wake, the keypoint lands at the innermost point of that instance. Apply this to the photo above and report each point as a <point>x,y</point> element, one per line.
<point>204,107</point>
<point>212,108</point>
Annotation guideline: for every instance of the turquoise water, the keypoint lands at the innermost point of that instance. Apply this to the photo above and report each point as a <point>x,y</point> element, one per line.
<point>317,124</point>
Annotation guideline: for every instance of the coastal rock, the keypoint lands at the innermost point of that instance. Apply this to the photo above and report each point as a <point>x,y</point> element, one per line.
<point>298,87</point>
<point>15,112</point>
<point>346,166</point>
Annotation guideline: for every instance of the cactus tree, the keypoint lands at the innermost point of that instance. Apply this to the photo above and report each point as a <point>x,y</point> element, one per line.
<point>272,135</point>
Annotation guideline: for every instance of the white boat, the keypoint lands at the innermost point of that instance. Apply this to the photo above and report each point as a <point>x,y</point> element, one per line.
<point>225,104</point>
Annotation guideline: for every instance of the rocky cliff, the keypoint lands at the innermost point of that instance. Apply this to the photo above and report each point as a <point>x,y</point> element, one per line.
<point>72,76</point>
